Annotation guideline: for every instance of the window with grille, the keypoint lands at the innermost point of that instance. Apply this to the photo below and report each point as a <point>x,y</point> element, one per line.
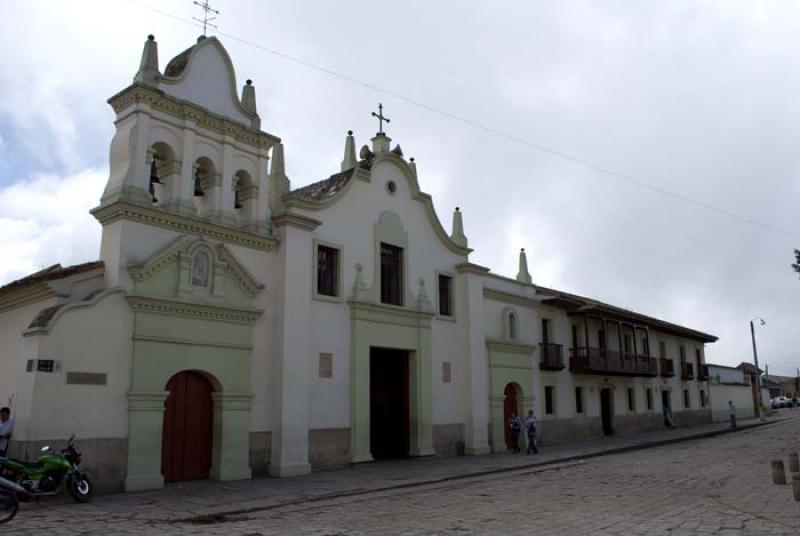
<point>391,274</point>
<point>327,271</point>
<point>631,400</point>
<point>579,400</point>
<point>649,399</point>
<point>445,295</point>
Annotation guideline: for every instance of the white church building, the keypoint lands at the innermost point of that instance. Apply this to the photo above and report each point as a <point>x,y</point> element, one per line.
<point>234,326</point>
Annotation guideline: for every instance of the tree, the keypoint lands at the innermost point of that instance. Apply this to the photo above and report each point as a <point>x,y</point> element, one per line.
<point>796,265</point>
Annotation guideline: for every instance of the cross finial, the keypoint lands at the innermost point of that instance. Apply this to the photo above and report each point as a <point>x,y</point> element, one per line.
<point>381,118</point>
<point>206,20</point>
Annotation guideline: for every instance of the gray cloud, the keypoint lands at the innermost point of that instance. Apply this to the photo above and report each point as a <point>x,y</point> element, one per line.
<point>695,98</point>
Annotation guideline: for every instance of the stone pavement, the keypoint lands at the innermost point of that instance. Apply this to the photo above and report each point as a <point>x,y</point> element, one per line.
<point>709,485</point>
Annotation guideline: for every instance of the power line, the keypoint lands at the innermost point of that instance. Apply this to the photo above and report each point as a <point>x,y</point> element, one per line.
<point>522,141</point>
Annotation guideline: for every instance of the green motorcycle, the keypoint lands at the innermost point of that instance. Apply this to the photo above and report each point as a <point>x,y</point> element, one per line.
<point>47,475</point>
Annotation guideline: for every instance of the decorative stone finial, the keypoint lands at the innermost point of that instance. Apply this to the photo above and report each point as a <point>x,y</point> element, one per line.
<point>349,161</point>
<point>523,276</point>
<point>249,97</point>
<point>148,66</point>
<point>278,166</point>
<point>278,181</point>
<point>458,235</point>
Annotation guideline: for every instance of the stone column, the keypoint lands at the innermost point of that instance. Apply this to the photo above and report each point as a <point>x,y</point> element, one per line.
<point>231,459</point>
<point>470,296</point>
<point>292,351</point>
<point>145,427</point>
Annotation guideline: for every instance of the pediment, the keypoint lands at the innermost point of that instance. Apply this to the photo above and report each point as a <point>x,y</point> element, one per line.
<point>204,75</point>
<point>195,268</point>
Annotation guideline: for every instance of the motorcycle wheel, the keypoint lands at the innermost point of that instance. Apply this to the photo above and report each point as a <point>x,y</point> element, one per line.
<point>9,504</point>
<point>80,488</point>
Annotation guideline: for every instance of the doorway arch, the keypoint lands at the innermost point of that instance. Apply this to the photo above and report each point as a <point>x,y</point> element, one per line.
<point>188,432</point>
<point>512,394</point>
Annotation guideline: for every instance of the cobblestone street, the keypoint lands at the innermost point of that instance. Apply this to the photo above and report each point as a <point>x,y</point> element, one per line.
<point>719,485</point>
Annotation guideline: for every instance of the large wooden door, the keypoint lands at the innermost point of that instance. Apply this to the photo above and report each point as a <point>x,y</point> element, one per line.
<point>188,428</point>
<point>510,406</point>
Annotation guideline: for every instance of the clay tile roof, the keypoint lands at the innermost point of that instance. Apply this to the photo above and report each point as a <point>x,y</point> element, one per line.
<point>588,305</point>
<point>51,273</point>
<point>325,189</point>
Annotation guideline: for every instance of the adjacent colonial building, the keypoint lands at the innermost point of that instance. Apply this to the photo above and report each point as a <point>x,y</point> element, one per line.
<point>235,326</point>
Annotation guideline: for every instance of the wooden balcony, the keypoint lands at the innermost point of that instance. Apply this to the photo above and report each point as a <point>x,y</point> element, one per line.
<point>687,371</point>
<point>551,357</point>
<point>702,373</point>
<point>667,367</point>
<point>612,363</point>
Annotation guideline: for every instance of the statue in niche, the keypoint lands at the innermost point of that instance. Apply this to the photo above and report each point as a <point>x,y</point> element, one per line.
<point>200,270</point>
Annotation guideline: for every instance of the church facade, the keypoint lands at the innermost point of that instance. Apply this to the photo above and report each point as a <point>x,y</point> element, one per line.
<point>234,326</point>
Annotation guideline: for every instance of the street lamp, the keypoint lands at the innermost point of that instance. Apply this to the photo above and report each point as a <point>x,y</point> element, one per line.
<point>755,361</point>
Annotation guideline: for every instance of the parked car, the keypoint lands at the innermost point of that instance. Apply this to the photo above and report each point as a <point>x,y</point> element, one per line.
<point>779,402</point>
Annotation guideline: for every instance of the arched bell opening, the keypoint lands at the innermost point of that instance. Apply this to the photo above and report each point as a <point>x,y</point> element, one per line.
<point>164,174</point>
<point>244,199</point>
<point>204,176</point>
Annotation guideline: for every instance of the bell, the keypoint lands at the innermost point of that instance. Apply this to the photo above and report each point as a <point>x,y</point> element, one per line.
<point>153,180</point>
<point>198,188</point>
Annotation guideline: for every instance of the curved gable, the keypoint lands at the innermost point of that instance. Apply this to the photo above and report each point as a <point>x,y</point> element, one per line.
<point>204,75</point>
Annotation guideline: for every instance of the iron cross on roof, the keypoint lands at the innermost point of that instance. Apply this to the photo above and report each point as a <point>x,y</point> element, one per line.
<point>206,20</point>
<point>381,118</point>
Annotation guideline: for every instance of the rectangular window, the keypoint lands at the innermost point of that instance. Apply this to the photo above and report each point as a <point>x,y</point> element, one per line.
<point>545,330</point>
<point>574,336</point>
<point>687,402</point>
<point>631,400</point>
<point>662,349</point>
<point>325,365</point>
<point>703,401</point>
<point>549,402</point>
<point>649,394</point>
<point>447,372</point>
<point>445,295</point>
<point>682,350</point>
<point>645,346</point>
<point>627,341</point>
<point>579,400</point>
<point>391,274</point>
<point>327,271</point>
<point>601,339</point>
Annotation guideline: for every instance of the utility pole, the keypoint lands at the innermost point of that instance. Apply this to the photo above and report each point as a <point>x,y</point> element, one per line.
<point>755,362</point>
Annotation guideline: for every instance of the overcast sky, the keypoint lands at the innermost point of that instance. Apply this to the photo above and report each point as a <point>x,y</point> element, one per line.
<point>698,98</point>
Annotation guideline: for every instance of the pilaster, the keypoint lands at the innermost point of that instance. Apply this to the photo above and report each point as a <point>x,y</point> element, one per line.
<point>145,425</point>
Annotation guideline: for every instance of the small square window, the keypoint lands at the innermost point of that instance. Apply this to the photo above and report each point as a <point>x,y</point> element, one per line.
<point>445,295</point>
<point>325,365</point>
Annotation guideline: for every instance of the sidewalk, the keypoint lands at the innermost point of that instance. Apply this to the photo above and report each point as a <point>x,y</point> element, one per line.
<point>207,501</point>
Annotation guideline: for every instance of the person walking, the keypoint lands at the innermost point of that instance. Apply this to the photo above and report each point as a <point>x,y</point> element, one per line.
<point>732,412</point>
<point>530,430</point>
<point>515,425</point>
<point>6,427</point>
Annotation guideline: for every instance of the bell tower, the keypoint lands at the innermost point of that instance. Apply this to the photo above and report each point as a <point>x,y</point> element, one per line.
<point>188,157</point>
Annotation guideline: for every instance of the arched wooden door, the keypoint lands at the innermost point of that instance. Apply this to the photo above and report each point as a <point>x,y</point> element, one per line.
<point>188,428</point>
<point>510,406</point>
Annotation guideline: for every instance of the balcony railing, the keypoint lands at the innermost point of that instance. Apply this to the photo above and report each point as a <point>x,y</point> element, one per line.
<point>667,367</point>
<point>551,357</point>
<point>599,361</point>
<point>687,371</point>
<point>702,373</point>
